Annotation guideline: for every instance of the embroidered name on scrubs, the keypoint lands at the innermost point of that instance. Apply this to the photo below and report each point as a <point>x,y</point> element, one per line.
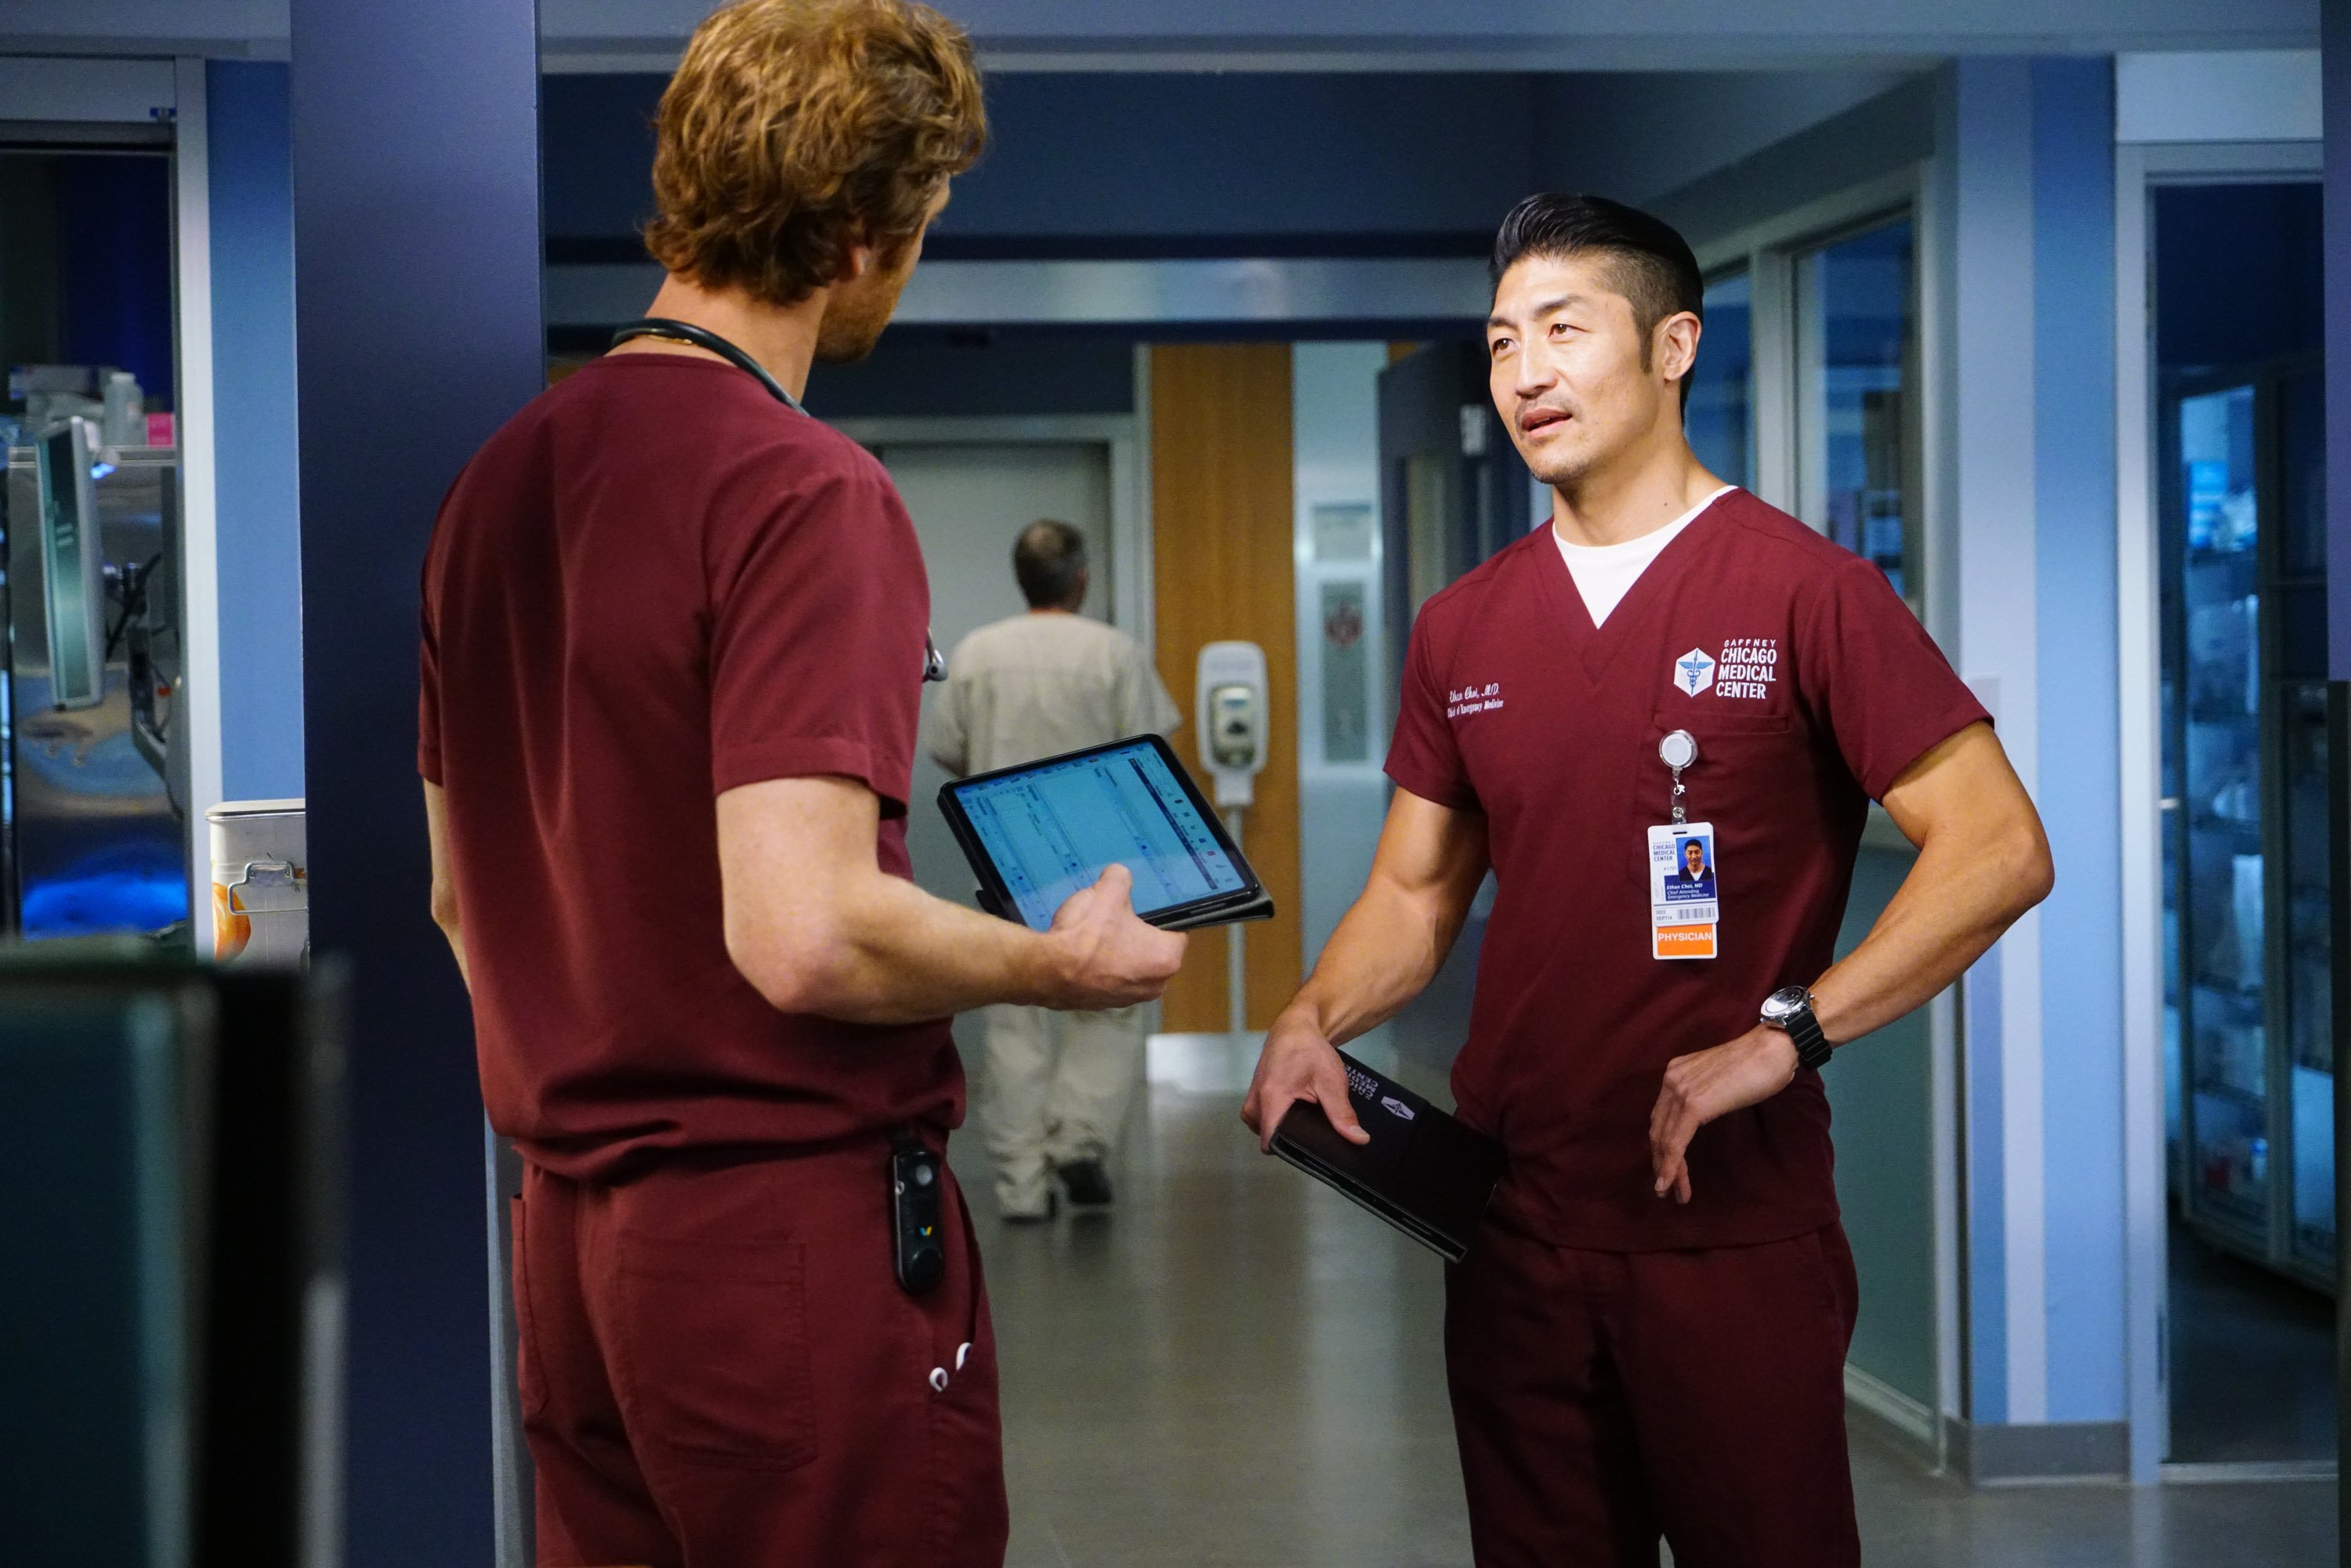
<point>1482,698</point>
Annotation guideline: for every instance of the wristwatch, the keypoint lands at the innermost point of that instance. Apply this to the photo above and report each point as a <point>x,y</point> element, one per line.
<point>1791,1009</point>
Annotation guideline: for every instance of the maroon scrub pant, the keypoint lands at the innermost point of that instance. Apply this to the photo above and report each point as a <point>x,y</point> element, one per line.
<point>1603,1399</point>
<point>718,1370</point>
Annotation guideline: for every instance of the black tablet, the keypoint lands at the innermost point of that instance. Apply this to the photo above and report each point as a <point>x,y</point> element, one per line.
<point>1038,832</point>
<point>1425,1173</point>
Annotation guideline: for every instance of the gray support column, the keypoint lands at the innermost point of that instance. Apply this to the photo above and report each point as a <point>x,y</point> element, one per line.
<point>417,255</point>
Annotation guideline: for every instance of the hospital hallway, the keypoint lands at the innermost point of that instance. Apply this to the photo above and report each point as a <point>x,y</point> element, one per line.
<point>1237,1367</point>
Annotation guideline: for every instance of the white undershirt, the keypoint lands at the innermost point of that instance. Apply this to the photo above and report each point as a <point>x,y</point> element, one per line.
<point>1604,574</point>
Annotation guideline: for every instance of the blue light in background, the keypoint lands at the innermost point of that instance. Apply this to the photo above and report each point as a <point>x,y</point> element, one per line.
<point>128,888</point>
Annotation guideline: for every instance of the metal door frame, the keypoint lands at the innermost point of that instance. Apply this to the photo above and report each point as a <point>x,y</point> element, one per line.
<point>1130,580</point>
<point>1766,252</point>
<point>2139,168</point>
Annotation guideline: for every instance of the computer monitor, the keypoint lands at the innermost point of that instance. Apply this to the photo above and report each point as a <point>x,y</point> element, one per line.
<point>73,563</point>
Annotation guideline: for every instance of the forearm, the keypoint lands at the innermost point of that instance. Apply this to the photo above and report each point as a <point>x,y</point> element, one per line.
<point>895,954</point>
<point>1384,954</point>
<point>443,895</point>
<point>1959,897</point>
<point>457,949</point>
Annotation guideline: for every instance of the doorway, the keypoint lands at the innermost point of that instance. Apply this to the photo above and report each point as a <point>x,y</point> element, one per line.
<point>93,783</point>
<point>969,500</point>
<point>2246,838</point>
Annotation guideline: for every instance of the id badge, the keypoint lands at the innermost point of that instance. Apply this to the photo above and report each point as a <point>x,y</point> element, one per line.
<point>1685,900</point>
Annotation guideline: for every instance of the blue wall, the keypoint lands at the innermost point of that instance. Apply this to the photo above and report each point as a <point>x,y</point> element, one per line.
<point>252,187</point>
<point>2081,733</point>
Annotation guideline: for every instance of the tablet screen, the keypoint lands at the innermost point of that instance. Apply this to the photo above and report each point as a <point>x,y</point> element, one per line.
<point>1051,829</point>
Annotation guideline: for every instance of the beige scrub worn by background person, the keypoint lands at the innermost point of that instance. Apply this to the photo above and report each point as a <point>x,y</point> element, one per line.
<point>1036,685</point>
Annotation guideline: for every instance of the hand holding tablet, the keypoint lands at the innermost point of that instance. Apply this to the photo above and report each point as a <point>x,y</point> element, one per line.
<point>1038,833</point>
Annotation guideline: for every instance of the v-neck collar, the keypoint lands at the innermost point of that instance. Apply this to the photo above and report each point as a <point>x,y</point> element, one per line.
<point>1595,647</point>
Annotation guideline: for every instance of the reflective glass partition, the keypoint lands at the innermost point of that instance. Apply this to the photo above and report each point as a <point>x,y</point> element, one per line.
<point>1719,416</point>
<point>2247,880</point>
<point>1857,414</point>
<point>2222,915</point>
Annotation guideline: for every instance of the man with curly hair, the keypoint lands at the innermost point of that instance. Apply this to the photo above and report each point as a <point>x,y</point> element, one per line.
<point>674,639</point>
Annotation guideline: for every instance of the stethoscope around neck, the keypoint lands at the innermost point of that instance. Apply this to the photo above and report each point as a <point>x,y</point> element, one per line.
<point>935,664</point>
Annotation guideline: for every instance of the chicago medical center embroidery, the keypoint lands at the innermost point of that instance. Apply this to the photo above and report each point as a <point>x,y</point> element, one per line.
<point>1748,668</point>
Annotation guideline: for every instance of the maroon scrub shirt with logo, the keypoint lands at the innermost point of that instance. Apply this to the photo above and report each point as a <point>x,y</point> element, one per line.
<point>654,585</point>
<point>1810,687</point>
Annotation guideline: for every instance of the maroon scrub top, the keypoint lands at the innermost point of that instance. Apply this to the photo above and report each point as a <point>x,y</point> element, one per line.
<point>1810,687</point>
<point>654,585</point>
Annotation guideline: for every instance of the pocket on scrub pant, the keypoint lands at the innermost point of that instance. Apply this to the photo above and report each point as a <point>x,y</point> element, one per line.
<point>715,1349</point>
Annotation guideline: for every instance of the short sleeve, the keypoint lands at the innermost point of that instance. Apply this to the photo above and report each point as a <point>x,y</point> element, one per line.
<point>817,602</point>
<point>1422,757</point>
<point>1875,680</point>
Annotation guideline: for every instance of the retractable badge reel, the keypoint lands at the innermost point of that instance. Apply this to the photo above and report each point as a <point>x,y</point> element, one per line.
<point>1684,907</point>
<point>1678,751</point>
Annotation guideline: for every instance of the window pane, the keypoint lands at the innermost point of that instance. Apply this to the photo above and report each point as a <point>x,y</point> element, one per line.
<point>1720,416</point>
<point>1856,322</point>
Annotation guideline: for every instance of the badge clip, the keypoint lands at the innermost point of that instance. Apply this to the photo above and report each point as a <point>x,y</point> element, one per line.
<point>1685,911</point>
<point>1678,751</point>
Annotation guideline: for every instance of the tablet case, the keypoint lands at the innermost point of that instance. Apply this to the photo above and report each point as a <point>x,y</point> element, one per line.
<point>1257,906</point>
<point>1424,1170</point>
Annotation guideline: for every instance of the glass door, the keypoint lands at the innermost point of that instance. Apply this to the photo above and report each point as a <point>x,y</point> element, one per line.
<point>1856,416</point>
<point>2247,882</point>
<point>1854,420</point>
<point>2221,903</point>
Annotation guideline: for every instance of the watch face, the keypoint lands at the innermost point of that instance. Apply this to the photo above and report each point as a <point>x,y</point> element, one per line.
<point>1785,1003</point>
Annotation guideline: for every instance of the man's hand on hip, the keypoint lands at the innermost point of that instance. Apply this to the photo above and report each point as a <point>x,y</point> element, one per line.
<point>1299,1063</point>
<point>1106,958</point>
<point>1711,1083</point>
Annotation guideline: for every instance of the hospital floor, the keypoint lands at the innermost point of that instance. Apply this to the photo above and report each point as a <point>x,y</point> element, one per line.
<point>1237,1367</point>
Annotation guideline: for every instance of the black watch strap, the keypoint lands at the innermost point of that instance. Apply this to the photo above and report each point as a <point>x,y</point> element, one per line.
<point>1812,1046</point>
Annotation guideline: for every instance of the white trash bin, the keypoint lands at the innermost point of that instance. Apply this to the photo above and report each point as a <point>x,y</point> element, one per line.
<point>261,882</point>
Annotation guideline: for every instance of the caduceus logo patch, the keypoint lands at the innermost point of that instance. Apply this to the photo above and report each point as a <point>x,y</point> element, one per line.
<point>1694,671</point>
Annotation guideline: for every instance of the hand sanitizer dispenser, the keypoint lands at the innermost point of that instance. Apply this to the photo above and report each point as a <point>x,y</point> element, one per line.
<point>1231,714</point>
<point>1231,719</point>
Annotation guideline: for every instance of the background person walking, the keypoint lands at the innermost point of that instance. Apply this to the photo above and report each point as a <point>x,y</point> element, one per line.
<point>1057,1085</point>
